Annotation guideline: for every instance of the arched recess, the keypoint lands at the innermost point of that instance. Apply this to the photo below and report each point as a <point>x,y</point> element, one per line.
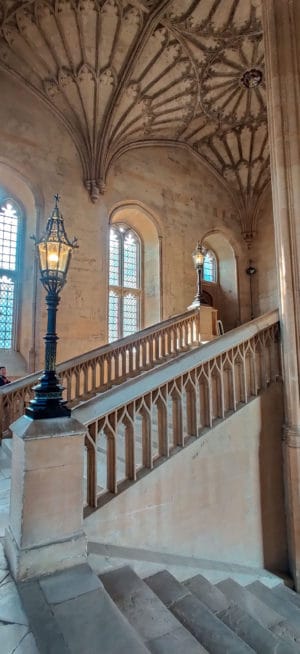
<point>15,185</point>
<point>145,224</point>
<point>224,291</point>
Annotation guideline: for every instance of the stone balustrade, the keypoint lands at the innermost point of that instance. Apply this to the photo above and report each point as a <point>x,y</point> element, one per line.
<point>132,428</point>
<point>95,371</point>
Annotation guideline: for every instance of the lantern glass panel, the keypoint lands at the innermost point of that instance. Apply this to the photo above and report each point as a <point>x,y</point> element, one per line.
<point>42,250</point>
<point>64,257</point>
<point>198,258</point>
<point>53,258</point>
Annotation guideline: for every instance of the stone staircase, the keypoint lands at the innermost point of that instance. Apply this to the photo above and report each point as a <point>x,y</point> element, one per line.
<point>197,616</point>
<point>77,612</point>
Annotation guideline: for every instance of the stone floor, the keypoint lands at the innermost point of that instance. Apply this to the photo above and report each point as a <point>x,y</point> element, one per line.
<point>5,473</point>
<point>15,636</point>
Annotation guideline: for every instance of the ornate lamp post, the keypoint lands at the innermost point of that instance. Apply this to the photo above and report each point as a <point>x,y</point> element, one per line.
<point>198,259</point>
<point>54,253</point>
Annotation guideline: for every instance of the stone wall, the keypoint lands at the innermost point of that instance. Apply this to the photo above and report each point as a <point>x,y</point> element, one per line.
<point>265,283</point>
<point>220,499</point>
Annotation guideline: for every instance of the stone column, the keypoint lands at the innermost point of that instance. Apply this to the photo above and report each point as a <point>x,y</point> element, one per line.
<point>281,23</point>
<point>45,530</point>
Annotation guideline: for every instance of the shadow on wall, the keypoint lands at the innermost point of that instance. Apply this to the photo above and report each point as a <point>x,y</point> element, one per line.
<point>274,534</point>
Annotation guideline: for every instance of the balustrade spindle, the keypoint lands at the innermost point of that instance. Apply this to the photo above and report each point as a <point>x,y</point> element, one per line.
<point>94,378</point>
<point>91,441</point>
<point>130,463</point>
<point>178,436</point>
<point>191,410</point>
<point>163,442</point>
<point>146,439</point>
<point>110,433</point>
<point>77,383</point>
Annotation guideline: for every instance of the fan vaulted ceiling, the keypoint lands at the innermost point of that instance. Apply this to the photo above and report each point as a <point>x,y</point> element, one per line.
<point>131,73</point>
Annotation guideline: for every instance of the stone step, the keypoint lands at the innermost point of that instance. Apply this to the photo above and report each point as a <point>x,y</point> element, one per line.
<point>251,631</point>
<point>70,612</point>
<point>260,611</point>
<point>286,593</point>
<point>207,592</point>
<point>236,618</point>
<point>158,628</point>
<point>249,602</point>
<point>284,607</point>
<point>195,616</point>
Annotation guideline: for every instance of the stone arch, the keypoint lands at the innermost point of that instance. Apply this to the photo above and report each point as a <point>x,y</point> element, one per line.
<point>146,225</point>
<point>225,292</point>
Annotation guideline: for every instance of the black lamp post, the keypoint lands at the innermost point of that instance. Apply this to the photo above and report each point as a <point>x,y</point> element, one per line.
<point>54,252</point>
<point>251,271</point>
<point>198,259</point>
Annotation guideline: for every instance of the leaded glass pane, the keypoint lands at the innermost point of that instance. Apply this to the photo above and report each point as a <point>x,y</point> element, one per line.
<point>8,236</point>
<point>114,258</point>
<point>210,267</point>
<point>130,314</point>
<point>7,289</point>
<point>130,276</point>
<point>113,316</point>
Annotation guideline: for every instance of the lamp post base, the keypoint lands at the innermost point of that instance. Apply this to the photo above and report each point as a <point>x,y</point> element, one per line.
<point>49,410</point>
<point>48,401</point>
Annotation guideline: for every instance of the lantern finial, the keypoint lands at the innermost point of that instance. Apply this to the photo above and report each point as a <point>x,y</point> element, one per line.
<point>57,199</point>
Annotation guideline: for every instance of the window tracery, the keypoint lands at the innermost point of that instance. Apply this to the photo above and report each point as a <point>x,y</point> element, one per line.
<point>210,267</point>
<point>124,282</point>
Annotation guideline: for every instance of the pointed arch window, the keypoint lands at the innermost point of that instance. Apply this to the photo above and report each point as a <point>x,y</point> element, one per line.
<point>210,267</point>
<point>125,291</point>
<point>9,237</point>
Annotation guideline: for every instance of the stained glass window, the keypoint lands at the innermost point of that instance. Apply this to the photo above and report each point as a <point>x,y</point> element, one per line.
<point>210,267</point>
<point>124,282</point>
<point>9,221</point>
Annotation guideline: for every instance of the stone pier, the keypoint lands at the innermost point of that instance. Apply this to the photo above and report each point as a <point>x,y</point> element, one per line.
<point>45,531</point>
